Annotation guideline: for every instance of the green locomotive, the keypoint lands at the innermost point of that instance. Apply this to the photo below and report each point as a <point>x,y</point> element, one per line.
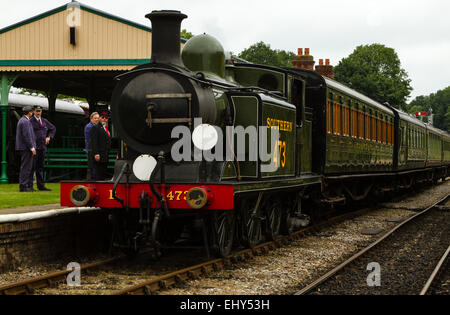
<point>283,139</point>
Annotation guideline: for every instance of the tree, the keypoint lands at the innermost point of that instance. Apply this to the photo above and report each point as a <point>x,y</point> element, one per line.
<point>438,103</point>
<point>186,35</point>
<point>375,71</point>
<point>261,53</point>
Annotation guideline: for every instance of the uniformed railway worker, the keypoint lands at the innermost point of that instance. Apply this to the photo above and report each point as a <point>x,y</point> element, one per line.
<point>99,146</point>
<point>26,145</point>
<point>44,131</point>
<point>95,117</point>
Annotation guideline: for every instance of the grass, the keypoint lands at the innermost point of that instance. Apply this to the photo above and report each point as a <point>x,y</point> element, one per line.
<point>10,197</point>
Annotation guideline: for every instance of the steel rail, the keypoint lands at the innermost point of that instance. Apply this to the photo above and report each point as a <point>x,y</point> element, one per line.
<point>163,282</point>
<point>166,281</point>
<point>335,270</point>
<point>435,272</point>
<point>30,285</point>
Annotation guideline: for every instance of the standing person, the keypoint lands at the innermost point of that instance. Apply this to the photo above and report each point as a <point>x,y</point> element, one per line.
<point>26,145</point>
<point>99,146</point>
<point>94,121</point>
<point>44,132</point>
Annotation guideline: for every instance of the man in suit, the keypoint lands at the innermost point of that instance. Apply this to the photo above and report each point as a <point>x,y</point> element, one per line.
<point>95,117</point>
<point>26,145</point>
<point>44,132</point>
<point>99,146</point>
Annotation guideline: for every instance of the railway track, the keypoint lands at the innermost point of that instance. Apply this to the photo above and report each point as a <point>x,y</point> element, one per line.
<point>341,279</point>
<point>434,275</point>
<point>166,281</point>
<point>162,280</point>
<point>38,285</point>
<point>31,285</point>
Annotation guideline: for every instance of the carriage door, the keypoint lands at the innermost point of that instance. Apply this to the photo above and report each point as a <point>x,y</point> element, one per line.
<point>303,126</point>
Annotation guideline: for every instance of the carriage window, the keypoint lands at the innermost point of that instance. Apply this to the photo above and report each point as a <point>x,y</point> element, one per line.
<point>378,127</point>
<point>388,131</point>
<point>346,121</point>
<point>361,122</point>
<point>409,136</point>
<point>392,131</point>
<point>416,138</point>
<point>367,124</point>
<point>329,116</point>
<point>337,121</point>
<point>339,118</point>
<point>350,123</point>
<point>354,111</point>
<point>374,127</point>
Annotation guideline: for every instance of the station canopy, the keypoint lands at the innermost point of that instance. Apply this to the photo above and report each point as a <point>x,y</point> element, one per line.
<point>73,50</point>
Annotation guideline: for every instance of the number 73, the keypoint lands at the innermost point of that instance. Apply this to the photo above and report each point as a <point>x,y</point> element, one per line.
<point>279,154</point>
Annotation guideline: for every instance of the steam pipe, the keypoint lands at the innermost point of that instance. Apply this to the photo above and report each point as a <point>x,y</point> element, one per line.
<point>114,196</point>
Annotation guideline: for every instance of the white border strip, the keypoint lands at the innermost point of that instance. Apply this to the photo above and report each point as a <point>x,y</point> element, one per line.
<point>30,216</point>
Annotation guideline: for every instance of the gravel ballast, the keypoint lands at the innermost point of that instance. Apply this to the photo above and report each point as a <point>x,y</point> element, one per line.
<point>406,259</point>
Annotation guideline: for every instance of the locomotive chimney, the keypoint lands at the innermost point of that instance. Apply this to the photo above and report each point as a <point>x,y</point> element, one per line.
<point>166,26</point>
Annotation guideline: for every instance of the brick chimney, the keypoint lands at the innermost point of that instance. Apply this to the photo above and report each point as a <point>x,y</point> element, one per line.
<point>325,70</point>
<point>305,61</point>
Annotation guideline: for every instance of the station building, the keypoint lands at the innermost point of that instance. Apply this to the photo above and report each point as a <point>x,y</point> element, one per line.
<point>73,50</point>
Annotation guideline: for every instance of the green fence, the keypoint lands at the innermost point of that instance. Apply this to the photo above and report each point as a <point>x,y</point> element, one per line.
<point>69,163</point>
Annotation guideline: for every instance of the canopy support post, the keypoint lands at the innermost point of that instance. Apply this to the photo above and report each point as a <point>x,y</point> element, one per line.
<point>7,81</point>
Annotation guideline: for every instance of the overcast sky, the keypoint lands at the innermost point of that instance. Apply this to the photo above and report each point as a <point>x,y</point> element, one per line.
<point>419,31</point>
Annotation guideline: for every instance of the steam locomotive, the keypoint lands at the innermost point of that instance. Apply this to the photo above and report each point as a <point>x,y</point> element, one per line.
<point>242,152</point>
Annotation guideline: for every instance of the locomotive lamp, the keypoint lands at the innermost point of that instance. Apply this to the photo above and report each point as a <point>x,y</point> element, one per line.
<point>198,197</point>
<point>81,195</point>
<point>143,167</point>
<point>205,137</point>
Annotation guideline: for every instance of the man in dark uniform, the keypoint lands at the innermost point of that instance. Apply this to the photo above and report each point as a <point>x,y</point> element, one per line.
<point>44,131</point>
<point>99,146</point>
<point>26,145</point>
<point>95,118</point>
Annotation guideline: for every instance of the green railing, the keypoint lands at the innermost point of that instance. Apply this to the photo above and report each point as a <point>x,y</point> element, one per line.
<point>62,163</point>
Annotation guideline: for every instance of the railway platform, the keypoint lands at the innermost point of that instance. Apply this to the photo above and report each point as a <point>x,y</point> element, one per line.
<point>37,233</point>
<point>30,209</point>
